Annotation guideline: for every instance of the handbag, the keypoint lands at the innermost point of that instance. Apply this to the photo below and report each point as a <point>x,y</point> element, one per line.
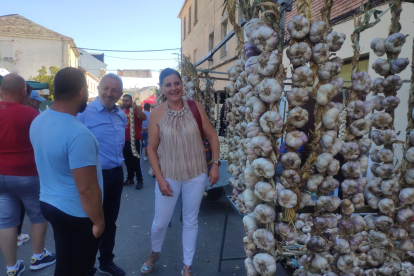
<point>196,113</point>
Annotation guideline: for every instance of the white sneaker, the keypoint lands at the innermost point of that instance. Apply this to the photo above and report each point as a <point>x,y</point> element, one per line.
<point>23,238</point>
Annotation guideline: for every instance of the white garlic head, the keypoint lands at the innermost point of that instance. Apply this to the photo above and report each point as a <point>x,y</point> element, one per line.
<point>299,54</point>
<point>394,43</point>
<point>409,155</point>
<point>264,239</point>
<point>253,129</point>
<point>250,177</point>
<point>296,139</point>
<point>265,38</point>
<point>268,63</point>
<point>250,200</point>
<point>364,145</point>
<point>250,224</point>
<point>262,145</point>
<point>299,27</point>
<point>298,117</point>
<point>298,96</point>
<point>265,191</point>
<point>351,169</point>
<point>378,86</point>
<point>331,119</point>
<point>378,46</point>
<point>361,82</point>
<point>392,83</point>
<point>264,263</point>
<point>381,67</point>
<point>254,79</point>
<point>271,122</point>
<point>290,161</point>
<point>329,184</point>
<point>264,167</point>
<point>252,66</point>
<point>270,90</point>
<point>390,103</point>
<point>328,203</point>
<point>322,161</point>
<point>313,182</point>
<point>287,198</point>
<point>409,177</point>
<point>377,100</point>
<point>249,266</point>
<point>385,155</point>
<point>350,151</point>
<point>381,120</point>
<point>302,76</point>
<point>317,32</point>
<point>264,213</point>
<point>325,93</point>
<point>335,40</point>
<point>329,70</point>
<point>387,206</point>
<point>290,179</point>
<point>398,65</point>
<point>355,109</point>
<point>320,53</point>
<point>361,127</point>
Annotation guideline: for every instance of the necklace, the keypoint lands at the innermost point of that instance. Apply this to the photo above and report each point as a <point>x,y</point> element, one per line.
<point>179,113</point>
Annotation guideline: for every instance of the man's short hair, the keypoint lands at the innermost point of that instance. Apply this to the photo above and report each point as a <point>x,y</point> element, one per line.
<point>68,82</point>
<point>12,83</point>
<point>129,96</point>
<point>147,106</point>
<point>115,77</point>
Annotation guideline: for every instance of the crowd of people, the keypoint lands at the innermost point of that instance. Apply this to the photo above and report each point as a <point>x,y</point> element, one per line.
<point>63,166</point>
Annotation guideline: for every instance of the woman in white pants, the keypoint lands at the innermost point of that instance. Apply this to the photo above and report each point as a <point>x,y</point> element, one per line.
<point>177,156</point>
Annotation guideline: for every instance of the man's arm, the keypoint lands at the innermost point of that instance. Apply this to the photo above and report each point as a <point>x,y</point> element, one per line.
<point>140,114</point>
<point>91,196</point>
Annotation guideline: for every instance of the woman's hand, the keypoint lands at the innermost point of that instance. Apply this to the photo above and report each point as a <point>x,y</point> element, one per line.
<point>214,175</point>
<point>164,187</point>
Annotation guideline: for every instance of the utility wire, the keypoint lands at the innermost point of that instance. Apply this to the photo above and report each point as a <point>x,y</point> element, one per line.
<point>142,58</point>
<point>127,51</point>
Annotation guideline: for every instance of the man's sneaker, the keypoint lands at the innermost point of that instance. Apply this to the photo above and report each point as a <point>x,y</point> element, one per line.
<point>129,182</point>
<point>139,185</point>
<point>111,269</point>
<point>17,272</point>
<point>48,259</point>
<point>22,238</point>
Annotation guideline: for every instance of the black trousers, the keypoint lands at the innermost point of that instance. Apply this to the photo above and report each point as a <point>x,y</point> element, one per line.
<point>76,246</point>
<point>133,163</point>
<point>113,184</point>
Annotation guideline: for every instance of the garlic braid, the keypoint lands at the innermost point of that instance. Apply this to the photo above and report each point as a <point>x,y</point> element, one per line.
<point>132,128</point>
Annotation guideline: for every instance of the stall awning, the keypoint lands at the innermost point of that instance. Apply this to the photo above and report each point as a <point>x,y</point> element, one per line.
<point>150,100</point>
<point>38,85</point>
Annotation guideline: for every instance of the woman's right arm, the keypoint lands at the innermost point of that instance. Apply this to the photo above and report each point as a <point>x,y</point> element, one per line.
<point>154,133</point>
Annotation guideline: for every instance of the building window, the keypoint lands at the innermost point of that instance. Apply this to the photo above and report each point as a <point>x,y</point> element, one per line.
<point>189,20</point>
<point>185,29</point>
<point>195,56</point>
<point>195,12</point>
<point>223,35</point>
<point>211,46</point>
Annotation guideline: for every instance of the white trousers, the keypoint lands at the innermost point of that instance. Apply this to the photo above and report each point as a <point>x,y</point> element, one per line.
<point>193,191</point>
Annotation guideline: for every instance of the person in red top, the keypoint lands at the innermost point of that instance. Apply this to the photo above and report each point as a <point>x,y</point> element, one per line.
<point>133,163</point>
<point>19,180</point>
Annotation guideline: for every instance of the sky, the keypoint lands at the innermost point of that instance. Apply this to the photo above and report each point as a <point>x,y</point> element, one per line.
<point>113,25</point>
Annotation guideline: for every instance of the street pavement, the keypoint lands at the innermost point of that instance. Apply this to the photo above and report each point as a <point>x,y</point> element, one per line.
<point>133,237</point>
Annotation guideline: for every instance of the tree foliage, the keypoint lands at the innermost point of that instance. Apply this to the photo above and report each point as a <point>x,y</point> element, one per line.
<point>47,77</point>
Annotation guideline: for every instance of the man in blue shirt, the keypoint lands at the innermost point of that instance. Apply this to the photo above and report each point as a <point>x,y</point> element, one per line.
<point>67,159</point>
<point>147,111</point>
<point>107,122</point>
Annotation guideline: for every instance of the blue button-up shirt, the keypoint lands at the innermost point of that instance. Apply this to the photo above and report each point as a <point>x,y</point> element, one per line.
<point>109,130</point>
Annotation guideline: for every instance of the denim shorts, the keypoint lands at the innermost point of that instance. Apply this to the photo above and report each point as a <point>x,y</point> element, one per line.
<point>13,191</point>
<point>145,139</point>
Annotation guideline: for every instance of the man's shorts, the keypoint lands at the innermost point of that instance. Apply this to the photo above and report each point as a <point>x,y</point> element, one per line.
<point>13,191</point>
<point>145,139</point>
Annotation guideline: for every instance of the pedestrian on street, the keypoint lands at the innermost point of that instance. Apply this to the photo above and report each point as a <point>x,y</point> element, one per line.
<point>19,180</point>
<point>147,111</point>
<point>107,122</point>
<point>35,101</point>
<point>177,155</point>
<point>132,162</point>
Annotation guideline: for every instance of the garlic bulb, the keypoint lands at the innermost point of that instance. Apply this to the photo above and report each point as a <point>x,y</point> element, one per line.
<point>268,63</point>
<point>386,206</point>
<point>333,167</point>
<point>381,120</point>
<point>262,145</point>
<point>250,224</point>
<point>409,177</point>
<point>258,107</point>
<point>325,94</point>
<point>330,184</point>
<point>398,65</point>
<point>250,269</point>
<point>355,109</point>
<point>342,246</point>
<point>285,231</point>
<point>390,103</point>
<point>387,137</point>
<point>328,70</point>
<point>250,200</point>
<point>306,200</point>
<point>252,66</point>
<point>328,203</point>
<point>350,151</point>
<point>264,167</point>
<point>377,100</point>
<point>351,187</point>
<point>298,117</point>
<point>361,127</point>
<point>296,139</point>
<point>335,40</point>
<point>302,76</point>
<point>253,129</point>
<point>406,196</point>
<point>394,43</point>
<point>364,145</point>
<point>287,198</point>
<point>265,38</point>
<point>384,170</point>
<point>249,246</point>
<point>320,53</point>
<point>381,67</point>
<point>392,83</point>
<point>299,27</point>
<point>363,163</point>
<point>390,186</point>
<point>383,223</point>
<point>265,264</point>
<point>298,96</point>
<point>254,79</point>
<point>378,86</point>
<point>265,191</point>
<point>264,213</point>
<point>351,169</point>
<point>322,161</point>
<point>270,90</point>
<point>264,239</point>
<point>361,82</point>
<point>299,54</point>
<point>271,122</point>
<point>253,25</point>
<point>376,257</point>
<point>347,208</point>
<point>403,216</point>
<point>385,155</point>
<point>313,182</point>
<point>250,177</point>
<point>317,244</point>
<point>290,161</point>
<point>290,179</point>
<point>330,118</point>
<point>378,46</point>
<point>317,32</point>
<point>358,200</point>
